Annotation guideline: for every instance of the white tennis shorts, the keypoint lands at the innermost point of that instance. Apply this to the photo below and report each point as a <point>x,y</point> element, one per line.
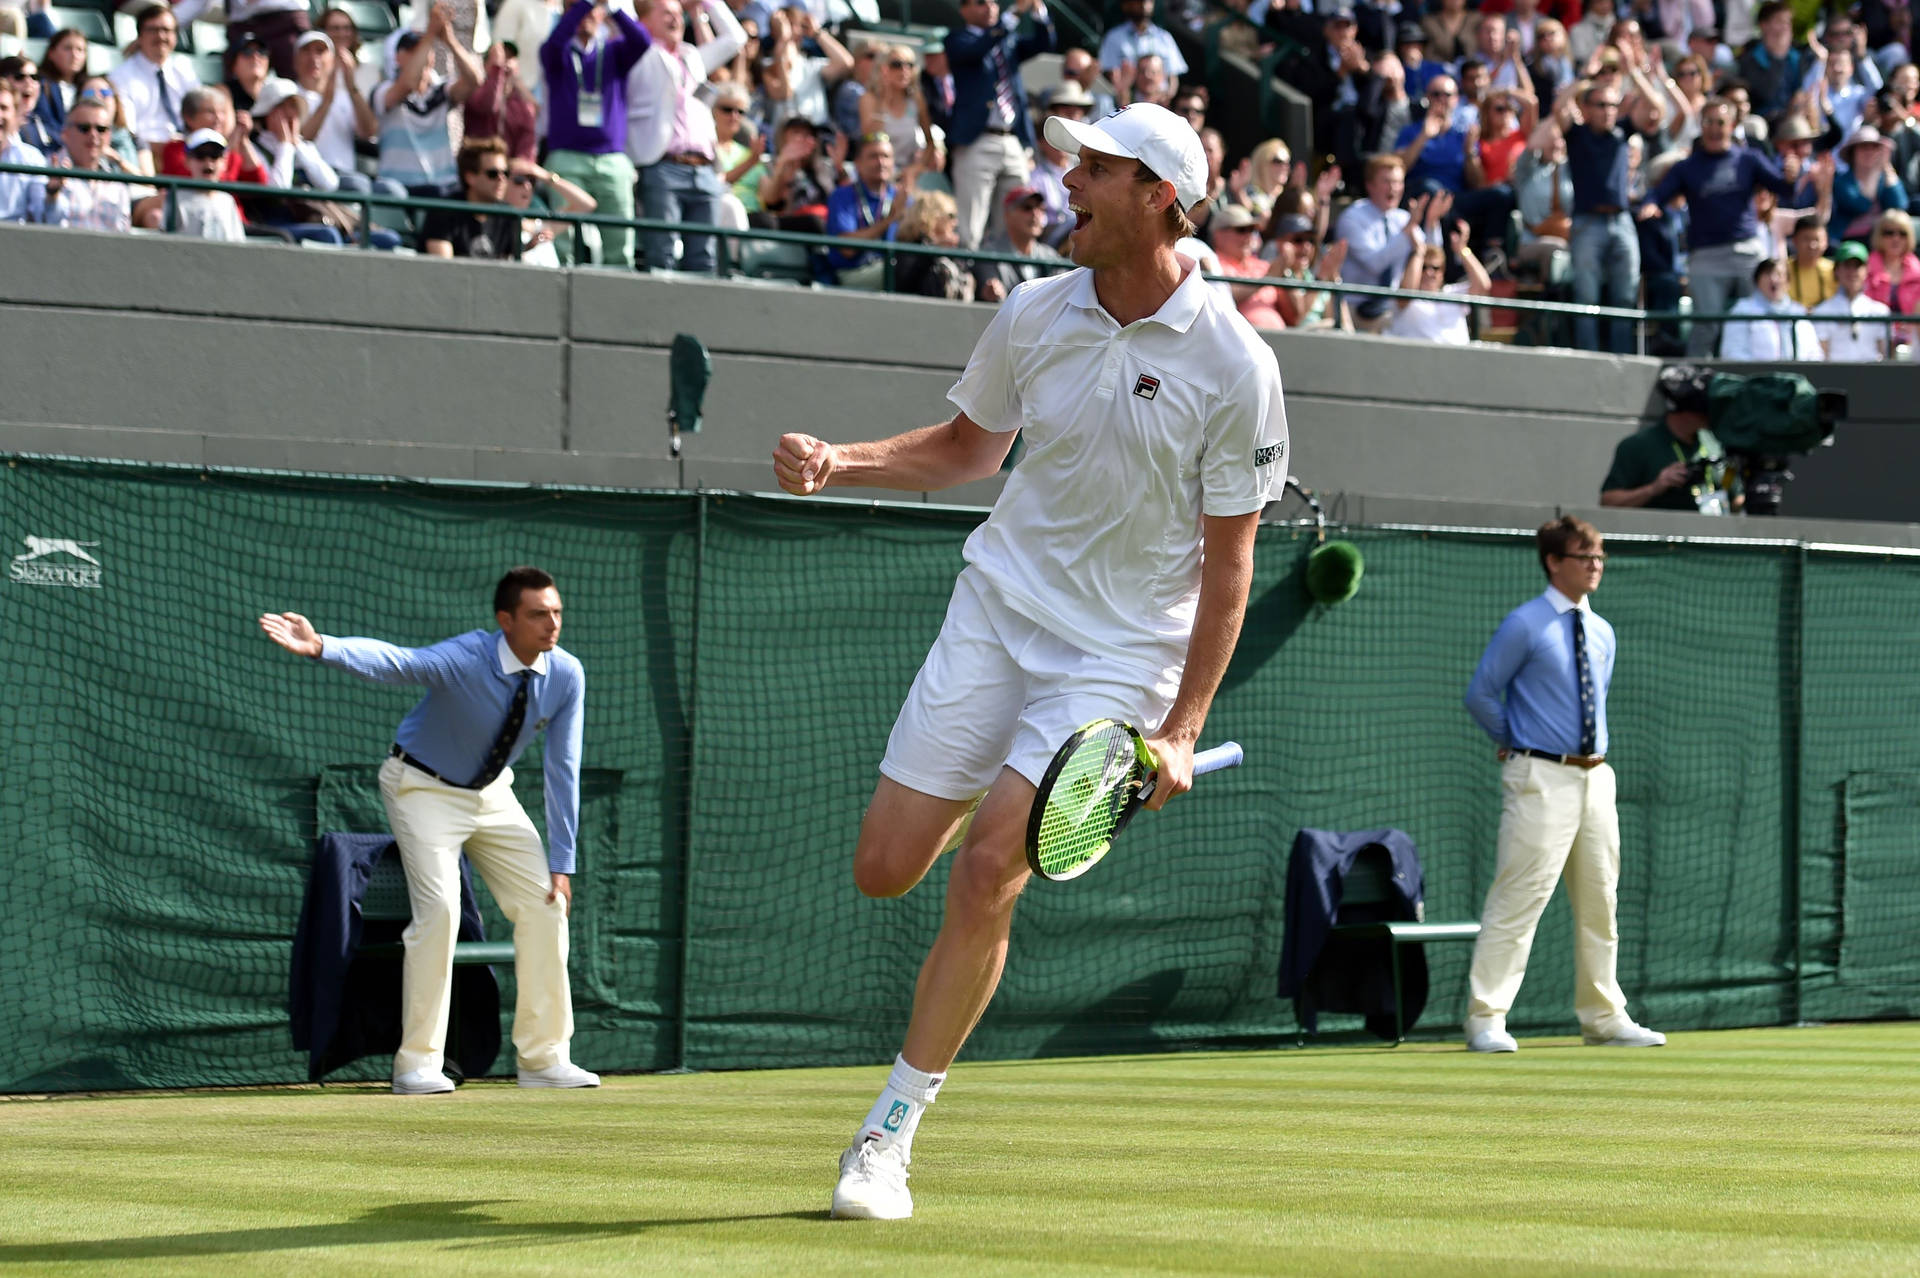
<point>999,691</point>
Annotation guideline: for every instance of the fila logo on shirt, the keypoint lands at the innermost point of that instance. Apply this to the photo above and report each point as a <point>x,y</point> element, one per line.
<point>1146,387</point>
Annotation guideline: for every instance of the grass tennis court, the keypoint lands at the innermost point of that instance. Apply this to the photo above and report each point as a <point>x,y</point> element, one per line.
<point>1751,1151</point>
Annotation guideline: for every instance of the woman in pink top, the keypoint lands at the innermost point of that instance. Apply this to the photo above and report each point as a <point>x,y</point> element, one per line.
<point>1236,242</point>
<point>1893,271</point>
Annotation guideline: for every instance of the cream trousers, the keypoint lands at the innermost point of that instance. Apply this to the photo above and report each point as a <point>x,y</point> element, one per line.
<point>432,821</point>
<point>1554,818</point>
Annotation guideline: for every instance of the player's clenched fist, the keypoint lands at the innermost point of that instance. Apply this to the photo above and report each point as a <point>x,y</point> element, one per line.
<point>803,464</point>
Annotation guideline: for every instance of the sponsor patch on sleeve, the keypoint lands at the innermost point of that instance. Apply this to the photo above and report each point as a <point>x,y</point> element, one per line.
<point>1269,455</point>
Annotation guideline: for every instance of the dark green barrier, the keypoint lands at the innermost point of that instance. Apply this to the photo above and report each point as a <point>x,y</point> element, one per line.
<point>166,769</point>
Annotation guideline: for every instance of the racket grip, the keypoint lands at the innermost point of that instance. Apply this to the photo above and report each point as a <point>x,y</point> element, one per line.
<point>1229,755</point>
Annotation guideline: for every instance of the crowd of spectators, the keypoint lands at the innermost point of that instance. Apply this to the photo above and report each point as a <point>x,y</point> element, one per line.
<point>1743,156</point>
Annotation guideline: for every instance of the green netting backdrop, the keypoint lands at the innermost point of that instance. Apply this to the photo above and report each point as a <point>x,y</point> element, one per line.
<point>166,769</point>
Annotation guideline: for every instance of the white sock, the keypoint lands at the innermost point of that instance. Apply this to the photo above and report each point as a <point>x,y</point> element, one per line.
<point>896,1114</point>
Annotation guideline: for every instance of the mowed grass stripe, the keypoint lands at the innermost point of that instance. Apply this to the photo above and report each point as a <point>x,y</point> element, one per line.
<point>1770,1151</point>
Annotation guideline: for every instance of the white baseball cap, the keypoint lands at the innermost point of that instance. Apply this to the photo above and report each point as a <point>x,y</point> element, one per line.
<point>1151,134</point>
<point>273,93</point>
<point>205,137</point>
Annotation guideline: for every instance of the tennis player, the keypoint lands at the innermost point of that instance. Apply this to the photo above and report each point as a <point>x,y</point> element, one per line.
<point>1109,581</point>
<point>448,782</point>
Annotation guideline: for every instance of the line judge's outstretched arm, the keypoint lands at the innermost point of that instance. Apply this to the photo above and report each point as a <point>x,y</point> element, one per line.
<point>924,460</point>
<point>1226,577</point>
<point>371,659</point>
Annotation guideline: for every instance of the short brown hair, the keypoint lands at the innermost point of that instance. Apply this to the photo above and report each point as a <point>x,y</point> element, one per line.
<point>1177,220</point>
<point>474,150</point>
<point>1384,160</point>
<point>506,594</point>
<point>1559,538</point>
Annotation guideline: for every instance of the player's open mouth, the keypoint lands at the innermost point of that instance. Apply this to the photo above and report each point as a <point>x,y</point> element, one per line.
<point>1081,216</point>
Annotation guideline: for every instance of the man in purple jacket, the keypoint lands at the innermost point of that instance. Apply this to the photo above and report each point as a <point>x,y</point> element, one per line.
<point>586,64</point>
<point>1723,237</point>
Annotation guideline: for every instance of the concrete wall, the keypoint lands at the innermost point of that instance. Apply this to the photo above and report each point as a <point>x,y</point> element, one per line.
<point>208,354</point>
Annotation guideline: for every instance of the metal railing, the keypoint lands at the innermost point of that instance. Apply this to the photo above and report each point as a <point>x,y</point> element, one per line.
<point>730,257</point>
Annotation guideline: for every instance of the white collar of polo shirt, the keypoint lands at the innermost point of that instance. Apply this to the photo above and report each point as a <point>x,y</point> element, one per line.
<point>512,665</point>
<point>1178,312</point>
<point>1561,604</point>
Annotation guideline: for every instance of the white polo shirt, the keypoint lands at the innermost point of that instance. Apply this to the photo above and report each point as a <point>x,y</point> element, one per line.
<point>1131,435</point>
<point>1839,323</point>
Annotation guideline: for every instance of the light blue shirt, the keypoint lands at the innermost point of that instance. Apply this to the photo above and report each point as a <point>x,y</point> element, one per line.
<point>470,681</point>
<point>1377,244</point>
<point>1526,692</point>
<point>22,198</point>
<point>1125,44</point>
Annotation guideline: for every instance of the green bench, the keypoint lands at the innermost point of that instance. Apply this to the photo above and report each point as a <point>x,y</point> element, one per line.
<point>1370,882</point>
<point>386,901</point>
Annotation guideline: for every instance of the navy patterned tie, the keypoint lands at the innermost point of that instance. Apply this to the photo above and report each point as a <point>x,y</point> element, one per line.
<point>1589,736</point>
<point>509,733</point>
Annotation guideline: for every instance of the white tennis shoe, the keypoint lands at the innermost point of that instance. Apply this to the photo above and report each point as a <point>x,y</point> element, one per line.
<point>565,1074</point>
<point>1492,1040</point>
<point>421,1082</point>
<point>1628,1035</point>
<point>873,1183</point>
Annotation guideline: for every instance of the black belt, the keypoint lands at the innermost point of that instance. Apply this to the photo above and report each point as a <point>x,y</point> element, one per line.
<point>1573,760</point>
<point>1606,210</point>
<point>999,133</point>
<point>412,762</point>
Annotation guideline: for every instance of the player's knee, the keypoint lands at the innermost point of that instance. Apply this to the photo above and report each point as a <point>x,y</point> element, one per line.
<point>985,881</point>
<point>881,869</point>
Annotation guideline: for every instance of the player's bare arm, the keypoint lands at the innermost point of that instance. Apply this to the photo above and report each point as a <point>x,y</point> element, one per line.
<point>925,460</point>
<point>1226,577</point>
<point>293,632</point>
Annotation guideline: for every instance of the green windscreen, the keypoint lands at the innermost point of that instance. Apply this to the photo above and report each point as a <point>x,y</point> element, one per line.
<point>166,770</point>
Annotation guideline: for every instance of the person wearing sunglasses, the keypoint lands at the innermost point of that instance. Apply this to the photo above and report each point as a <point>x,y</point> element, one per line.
<point>1540,692</point>
<point>525,181</point>
<point>208,215</point>
<point>1893,272</point>
<point>23,74</point>
<point>485,170</point>
<point>88,205</point>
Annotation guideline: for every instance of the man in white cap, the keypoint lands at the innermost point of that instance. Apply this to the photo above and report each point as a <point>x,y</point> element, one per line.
<point>1155,432</point>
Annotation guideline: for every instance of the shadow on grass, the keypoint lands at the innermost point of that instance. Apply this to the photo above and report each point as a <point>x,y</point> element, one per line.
<point>434,1222</point>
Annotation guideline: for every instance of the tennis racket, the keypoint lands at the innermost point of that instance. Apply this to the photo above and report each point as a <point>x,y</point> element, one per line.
<point>1091,789</point>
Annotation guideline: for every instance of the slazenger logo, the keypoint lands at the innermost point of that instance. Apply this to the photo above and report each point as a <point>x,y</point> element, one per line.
<point>38,567</point>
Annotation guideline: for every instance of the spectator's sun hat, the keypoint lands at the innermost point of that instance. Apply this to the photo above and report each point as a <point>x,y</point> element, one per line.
<point>248,43</point>
<point>1410,33</point>
<point>1068,93</point>
<point>201,138</point>
<point>1864,135</point>
<point>274,92</point>
<point>1291,224</point>
<point>313,37</point>
<point>1234,217</point>
<point>1337,11</point>
<point>1794,129</point>
<point>1151,134</point>
<point>1021,194</point>
<point>1851,251</point>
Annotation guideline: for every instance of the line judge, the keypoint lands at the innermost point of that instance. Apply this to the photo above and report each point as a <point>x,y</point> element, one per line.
<point>448,783</point>
<point>1541,693</point>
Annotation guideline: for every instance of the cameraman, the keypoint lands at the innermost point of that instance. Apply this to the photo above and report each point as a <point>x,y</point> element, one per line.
<point>1675,464</point>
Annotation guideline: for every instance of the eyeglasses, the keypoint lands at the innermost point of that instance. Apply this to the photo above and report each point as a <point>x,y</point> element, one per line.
<point>25,75</point>
<point>1300,239</point>
<point>97,95</point>
<point>1441,93</point>
<point>730,110</point>
<point>157,29</point>
<point>1684,72</point>
<point>523,179</point>
<point>1588,557</point>
<point>102,129</point>
<point>1895,235</point>
<point>495,174</point>
<point>1605,104</point>
<point>902,64</point>
<point>210,155</point>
